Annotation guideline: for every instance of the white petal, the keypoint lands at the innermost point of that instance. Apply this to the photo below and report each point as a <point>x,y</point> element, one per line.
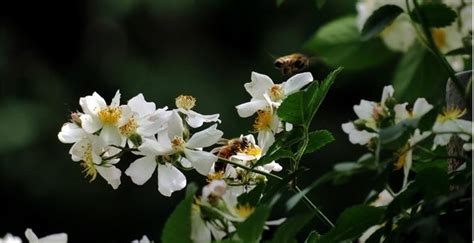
<point>111,174</point>
<point>297,82</point>
<point>126,114</point>
<point>152,148</point>
<point>55,238</point>
<point>468,146</point>
<point>400,35</point>
<point>348,127</point>
<point>273,166</point>
<point>421,107</point>
<point>111,135</point>
<point>92,104</point>
<point>205,138</point>
<point>79,149</point>
<point>249,108</point>
<point>185,163</point>
<point>31,236</point>
<point>265,140</point>
<point>260,84</point>
<point>365,109</point>
<point>139,105</point>
<point>199,231</point>
<point>407,168</point>
<point>202,161</point>
<point>401,112</point>
<point>175,125</point>
<point>387,93</point>
<point>90,123</point>
<point>170,179</point>
<point>116,100</point>
<point>71,133</point>
<point>141,170</point>
<point>196,120</point>
<point>356,136</point>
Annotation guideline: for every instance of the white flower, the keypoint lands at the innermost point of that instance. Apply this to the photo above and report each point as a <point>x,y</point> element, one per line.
<point>55,238</point>
<point>90,150</point>
<point>384,198</point>
<point>169,149</point>
<point>265,93</point>
<point>356,136</point>
<point>405,158</point>
<point>185,103</point>
<point>400,34</point>
<point>447,124</point>
<point>9,238</point>
<point>144,120</point>
<point>106,118</point>
<point>420,108</point>
<point>144,239</point>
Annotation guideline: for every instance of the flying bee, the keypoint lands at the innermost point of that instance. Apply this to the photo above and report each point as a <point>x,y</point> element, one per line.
<point>292,64</point>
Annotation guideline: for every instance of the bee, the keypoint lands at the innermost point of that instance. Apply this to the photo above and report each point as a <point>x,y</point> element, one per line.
<point>292,64</point>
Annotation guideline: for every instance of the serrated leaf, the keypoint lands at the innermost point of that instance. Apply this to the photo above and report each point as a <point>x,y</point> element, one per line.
<point>353,222</point>
<point>318,139</point>
<point>251,229</point>
<point>379,20</point>
<point>300,108</point>
<point>338,43</point>
<point>437,15</point>
<point>178,225</point>
<point>289,229</point>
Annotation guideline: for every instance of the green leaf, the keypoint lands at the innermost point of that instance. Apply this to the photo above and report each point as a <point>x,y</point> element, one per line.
<point>320,3</point>
<point>379,20</point>
<point>277,187</point>
<point>338,43</point>
<point>251,229</point>
<point>178,225</point>
<point>289,229</point>
<point>313,237</point>
<point>437,15</point>
<point>432,182</point>
<point>353,222</point>
<point>300,108</point>
<point>281,147</point>
<point>318,139</point>
<point>419,74</point>
<point>274,155</point>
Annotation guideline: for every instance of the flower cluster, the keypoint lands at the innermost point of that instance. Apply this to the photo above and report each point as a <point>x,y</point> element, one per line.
<point>216,213</point>
<point>402,32</point>
<point>162,138</point>
<point>373,116</point>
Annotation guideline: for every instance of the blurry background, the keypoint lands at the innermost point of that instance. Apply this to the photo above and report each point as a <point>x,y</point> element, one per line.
<point>53,52</point>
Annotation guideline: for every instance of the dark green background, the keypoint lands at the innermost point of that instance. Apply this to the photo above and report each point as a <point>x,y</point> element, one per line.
<point>52,53</point>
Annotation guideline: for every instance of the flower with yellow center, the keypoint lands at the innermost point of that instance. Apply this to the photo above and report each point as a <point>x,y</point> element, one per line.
<point>186,102</point>
<point>215,176</point>
<point>88,164</point>
<point>450,114</point>
<point>263,121</point>
<point>177,143</point>
<point>110,115</point>
<point>448,124</point>
<point>276,92</point>
<point>244,211</point>
<point>129,128</point>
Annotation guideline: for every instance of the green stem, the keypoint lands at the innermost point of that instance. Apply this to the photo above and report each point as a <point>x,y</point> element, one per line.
<point>302,148</point>
<point>310,204</point>
<point>319,213</point>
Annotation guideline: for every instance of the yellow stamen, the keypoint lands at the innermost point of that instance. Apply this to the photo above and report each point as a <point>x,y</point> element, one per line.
<point>186,102</point>
<point>402,158</point>
<point>277,92</point>
<point>110,115</point>
<point>129,128</point>
<point>177,143</point>
<point>89,165</point>
<point>254,151</point>
<point>439,37</point>
<point>244,211</point>
<point>450,114</point>
<point>215,176</point>
<point>263,120</point>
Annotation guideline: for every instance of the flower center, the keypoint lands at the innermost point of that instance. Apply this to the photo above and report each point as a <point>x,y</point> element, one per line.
<point>450,114</point>
<point>177,143</point>
<point>215,176</point>
<point>110,115</point>
<point>263,120</point>
<point>439,37</point>
<point>244,211</point>
<point>88,164</point>
<point>277,92</point>
<point>186,102</point>
<point>129,128</point>
<point>254,151</point>
<point>402,158</point>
